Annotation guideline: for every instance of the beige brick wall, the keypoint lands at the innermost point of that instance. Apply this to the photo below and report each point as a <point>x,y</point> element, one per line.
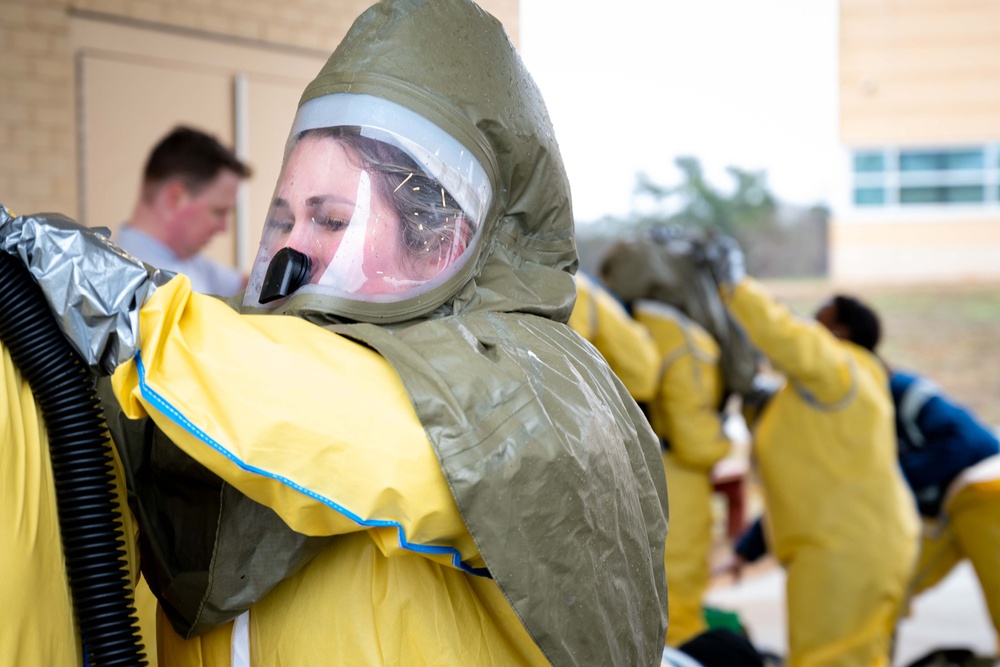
<point>37,167</point>
<point>317,24</point>
<point>38,156</point>
<point>919,71</point>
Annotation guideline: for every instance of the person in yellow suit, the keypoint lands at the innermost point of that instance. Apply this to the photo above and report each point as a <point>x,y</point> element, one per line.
<point>686,414</point>
<point>839,516</point>
<point>685,411</point>
<point>391,449</point>
<point>626,344</point>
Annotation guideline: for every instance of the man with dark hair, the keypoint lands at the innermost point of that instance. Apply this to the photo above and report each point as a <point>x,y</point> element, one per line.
<point>849,319</point>
<point>187,196</point>
<point>839,517</point>
<point>949,458</point>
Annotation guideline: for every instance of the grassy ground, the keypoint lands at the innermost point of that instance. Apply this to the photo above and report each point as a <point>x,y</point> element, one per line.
<point>951,333</point>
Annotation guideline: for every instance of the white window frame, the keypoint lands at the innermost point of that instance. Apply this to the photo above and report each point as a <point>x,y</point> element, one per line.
<point>892,180</point>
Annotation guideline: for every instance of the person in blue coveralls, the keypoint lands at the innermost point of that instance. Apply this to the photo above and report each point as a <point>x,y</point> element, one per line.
<point>951,460</point>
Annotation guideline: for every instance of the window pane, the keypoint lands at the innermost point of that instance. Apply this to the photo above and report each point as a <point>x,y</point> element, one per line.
<point>869,161</point>
<point>909,161</point>
<point>940,160</point>
<point>965,160</point>
<point>942,194</point>
<point>869,196</point>
<point>919,195</point>
<point>966,193</point>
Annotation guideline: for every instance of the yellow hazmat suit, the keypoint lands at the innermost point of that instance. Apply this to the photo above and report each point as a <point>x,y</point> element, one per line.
<point>685,413</point>
<point>839,515</point>
<point>403,542</point>
<point>625,344</point>
<point>37,622</point>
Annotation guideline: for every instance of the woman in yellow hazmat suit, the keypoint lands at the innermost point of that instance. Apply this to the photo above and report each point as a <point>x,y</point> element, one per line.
<point>685,414</point>
<point>390,449</point>
<point>625,344</point>
<point>838,514</point>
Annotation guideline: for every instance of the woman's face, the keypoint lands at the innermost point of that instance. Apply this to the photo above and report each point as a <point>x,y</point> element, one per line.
<point>326,207</point>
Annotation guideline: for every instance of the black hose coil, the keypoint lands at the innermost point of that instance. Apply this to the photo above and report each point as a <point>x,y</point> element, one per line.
<point>89,517</point>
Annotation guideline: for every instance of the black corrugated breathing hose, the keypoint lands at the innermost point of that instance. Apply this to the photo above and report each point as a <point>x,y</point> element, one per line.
<point>89,517</point>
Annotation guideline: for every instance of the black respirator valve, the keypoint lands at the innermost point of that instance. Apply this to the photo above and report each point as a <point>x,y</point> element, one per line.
<point>289,270</point>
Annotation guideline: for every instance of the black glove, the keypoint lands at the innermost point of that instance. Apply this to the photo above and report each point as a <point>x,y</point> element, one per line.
<point>95,288</point>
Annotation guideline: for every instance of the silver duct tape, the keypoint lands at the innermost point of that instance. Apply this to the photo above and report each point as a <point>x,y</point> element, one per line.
<point>94,288</point>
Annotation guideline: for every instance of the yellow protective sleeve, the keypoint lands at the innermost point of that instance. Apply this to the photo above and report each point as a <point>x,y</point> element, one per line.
<point>624,343</point>
<point>686,409</point>
<point>805,351</point>
<point>302,420</point>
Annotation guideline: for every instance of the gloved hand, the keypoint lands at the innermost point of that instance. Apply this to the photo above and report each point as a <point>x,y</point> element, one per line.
<point>95,289</point>
<point>763,389</point>
<point>725,259</point>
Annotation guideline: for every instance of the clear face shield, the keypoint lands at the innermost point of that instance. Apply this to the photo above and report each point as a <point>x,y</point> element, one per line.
<point>374,204</point>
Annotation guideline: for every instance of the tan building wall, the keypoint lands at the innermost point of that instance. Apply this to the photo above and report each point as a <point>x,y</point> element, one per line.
<point>87,87</point>
<point>894,251</point>
<point>919,74</point>
<point>919,71</point>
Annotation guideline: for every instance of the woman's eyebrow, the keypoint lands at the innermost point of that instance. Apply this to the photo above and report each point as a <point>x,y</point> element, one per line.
<point>329,199</point>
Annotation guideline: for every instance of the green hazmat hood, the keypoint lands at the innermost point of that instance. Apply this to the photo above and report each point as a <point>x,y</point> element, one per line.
<point>451,64</point>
